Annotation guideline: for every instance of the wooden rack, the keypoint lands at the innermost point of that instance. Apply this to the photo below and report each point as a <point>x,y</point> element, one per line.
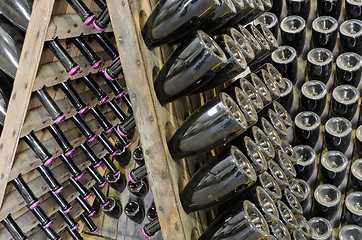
<point>50,19</point>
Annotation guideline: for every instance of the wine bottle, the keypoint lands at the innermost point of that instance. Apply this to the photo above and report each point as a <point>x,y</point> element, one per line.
<point>116,88</point>
<point>107,144</point>
<point>102,4</point>
<point>101,22</point>
<point>292,202</point>
<point>300,8</point>
<point>139,189</point>
<point>13,228</point>
<point>60,138</point>
<point>287,216</point>
<point>123,157</point>
<point>88,210</point>
<point>73,97</point>
<point>99,195</point>
<point>218,180</point>
<point>189,67</point>
<point>260,6</point>
<point>270,132</point>
<point>166,24</point>
<point>236,63</point>
<point>112,72</point>
<point>137,174</point>
<point>95,88</point>
<point>62,202</point>
<point>321,228</point>
<point>261,89</point>
<point>251,92</point>
<point>215,123</point>
<point>242,221</point>
<point>48,176</point>
<point>151,228</point>
<point>87,51</point>
<point>243,44</point>
<point>270,20</point>
<point>71,223</point>
<point>137,155</point>
<point>126,127</point>
<point>152,212</point>
<point>84,128</point>
<point>43,219</point>
<point>50,105</point>
<point>9,57</point>
<point>89,223</point>
<point>75,235</point>
<point>107,45</point>
<point>101,119</point>
<point>327,201</point>
<point>117,110</point>
<point>280,231</point>
<point>38,148</point>
<point>82,10</point>
<point>100,181</point>
<point>51,234</point>
<point>117,182</point>
<point>242,10</point>
<point>293,31</point>
<point>72,167</point>
<point>92,157</point>
<point>25,192</point>
<point>81,189</point>
<point>270,185</point>
<point>135,211</point>
<point>109,206</point>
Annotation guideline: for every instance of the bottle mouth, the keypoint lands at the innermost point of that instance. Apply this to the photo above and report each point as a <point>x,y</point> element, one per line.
<point>327,195</point>
<point>132,208</point>
<point>252,94</point>
<point>293,201</point>
<point>283,114</point>
<point>246,107</point>
<point>325,24</point>
<point>306,155</point>
<point>284,55</point>
<point>338,126</point>
<point>334,161</point>
<point>270,83</point>
<point>269,37</point>
<point>277,122</point>
<point>357,169</point>
<point>243,163</point>
<point>255,155</point>
<point>270,186</point>
<point>350,231</point>
<point>135,186</point>
<point>296,189</point>
<point>233,110</point>
<point>279,230</point>
<point>208,43</point>
<point>112,178</point>
<point>260,37</point>
<point>287,216</point>
<point>110,206</point>
<point>255,218</point>
<point>278,78</point>
<point>268,19</point>
<point>250,39</point>
<point>288,149</point>
<point>320,56</point>
<point>307,120</point>
<point>267,204</point>
<point>234,51</point>
<point>298,235</point>
<point>271,133</point>
<point>349,61</point>
<point>261,88</point>
<point>351,28</point>
<point>293,24</point>
<point>263,142</point>
<point>305,187</point>
<point>278,174</point>
<point>286,164</point>
<point>321,228</point>
<point>346,94</point>
<point>288,88</point>
<point>314,89</point>
<point>137,154</point>
<point>353,203</point>
<point>243,44</point>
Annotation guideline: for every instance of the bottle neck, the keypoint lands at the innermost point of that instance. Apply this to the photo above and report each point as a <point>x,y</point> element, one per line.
<point>101,119</point>
<point>138,174</point>
<point>82,11</point>
<point>13,228</point>
<point>92,157</point>
<point>72,167</point>
<point>99,195</point>
<point>73,96</point>
<point>50,179</point>
<point>87,51</point>
<point>38,148</point>
<point>63,57</point>
<point>81,189</point>
<point>25,192</point>
<point>106,44</point>
<point>50,105</point>
<point>151,228</point>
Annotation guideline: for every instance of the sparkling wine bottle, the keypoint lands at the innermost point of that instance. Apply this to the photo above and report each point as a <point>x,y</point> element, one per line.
<point>107,45</point>
<point>13,228</point>
<point>82,10</point>
<point>87,51</point>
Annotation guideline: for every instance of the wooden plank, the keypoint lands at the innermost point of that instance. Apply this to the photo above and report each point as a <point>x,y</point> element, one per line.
<point>70,25</point>
<point>54,73</point>
<point>24,81</point>
<point>154,121</point>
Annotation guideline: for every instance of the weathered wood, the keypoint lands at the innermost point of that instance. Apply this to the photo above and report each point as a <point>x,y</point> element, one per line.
<point>155,122</point>
<point>24,81</point>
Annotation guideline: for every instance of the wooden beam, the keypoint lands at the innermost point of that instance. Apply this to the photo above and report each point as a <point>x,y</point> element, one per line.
<point>24,80</point>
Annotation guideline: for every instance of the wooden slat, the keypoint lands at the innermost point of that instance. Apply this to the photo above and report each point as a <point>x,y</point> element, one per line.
<point>54,73</point>
<point>24,81</point>
<point>70,25</point>
<point>154,122</point>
